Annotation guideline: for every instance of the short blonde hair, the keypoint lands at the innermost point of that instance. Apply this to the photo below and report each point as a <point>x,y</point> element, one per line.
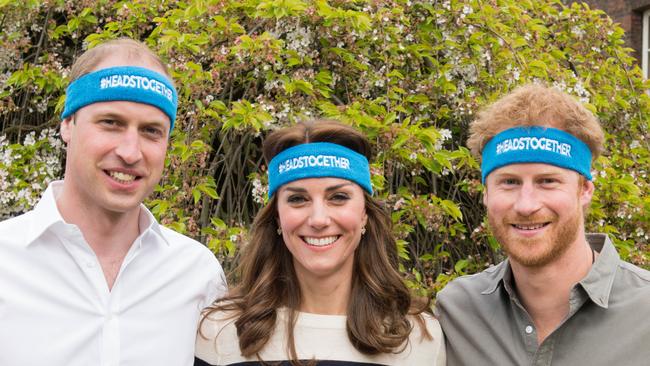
<point>536,105</point>
<point>89,60</point>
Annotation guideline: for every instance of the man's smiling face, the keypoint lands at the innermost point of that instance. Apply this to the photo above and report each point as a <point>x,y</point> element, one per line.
<point>535,210</point>
<point>115,150</point>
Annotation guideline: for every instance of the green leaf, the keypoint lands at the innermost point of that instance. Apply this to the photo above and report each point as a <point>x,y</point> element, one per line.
<point>452,209</point>
<point>196,194</point>
<point>211,192</point>
<point>324,77</point>
<point>217,222</point>
<point>538,68</point>
<point>460,266</point>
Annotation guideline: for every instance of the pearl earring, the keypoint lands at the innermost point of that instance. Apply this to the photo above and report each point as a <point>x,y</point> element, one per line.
<point>363,230</point>
<point>279,231</point>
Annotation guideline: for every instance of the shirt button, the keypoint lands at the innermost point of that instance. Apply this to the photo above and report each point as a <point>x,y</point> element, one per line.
<point>529,329</point>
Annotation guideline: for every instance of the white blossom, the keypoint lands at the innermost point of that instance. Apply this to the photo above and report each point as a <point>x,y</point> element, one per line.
<point>32,176</point>
<point>259,191</point>
<point>577,31</point>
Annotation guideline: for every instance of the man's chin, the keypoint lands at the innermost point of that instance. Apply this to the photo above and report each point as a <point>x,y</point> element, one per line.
<point>122,206</point>
<point>532,260</point>
<point>534,252</point>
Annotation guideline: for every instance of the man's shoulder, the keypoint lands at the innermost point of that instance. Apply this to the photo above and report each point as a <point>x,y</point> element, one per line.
<point>470,293</point>
<point>15,220</point>
<point>635,274</point>
<point>177,237</point>
<point>178,240</point>
<point>181,242</point>
<point>194,260</point>
<point>13,228</point>
<point>465,288</point>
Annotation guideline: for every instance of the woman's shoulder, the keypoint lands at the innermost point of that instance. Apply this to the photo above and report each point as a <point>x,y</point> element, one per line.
<point>427,320</point>
<point>425,325</point>
<point>217,320</point>
<point>426,341</point>
<point>217,336</point>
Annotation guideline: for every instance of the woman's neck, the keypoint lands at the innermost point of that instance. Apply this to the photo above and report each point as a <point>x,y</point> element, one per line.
<point>328,295</point>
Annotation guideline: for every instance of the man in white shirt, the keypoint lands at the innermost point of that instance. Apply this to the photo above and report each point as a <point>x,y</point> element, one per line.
<point>88,277</point>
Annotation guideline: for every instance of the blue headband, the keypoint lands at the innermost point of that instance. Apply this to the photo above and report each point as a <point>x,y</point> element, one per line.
<point>536,144</point>
<point>128,83</point>
<point>318,160</point>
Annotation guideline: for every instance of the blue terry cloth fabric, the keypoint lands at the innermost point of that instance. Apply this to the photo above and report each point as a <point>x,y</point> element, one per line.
<point>318,160</point>
<point>122,83</point>
<point>536,144</point>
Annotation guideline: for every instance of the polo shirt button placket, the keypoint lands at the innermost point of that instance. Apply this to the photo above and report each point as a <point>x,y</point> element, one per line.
<point>529,329</point>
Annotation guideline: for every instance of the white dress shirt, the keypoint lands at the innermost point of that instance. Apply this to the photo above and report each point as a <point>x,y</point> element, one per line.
<point>56,308</point>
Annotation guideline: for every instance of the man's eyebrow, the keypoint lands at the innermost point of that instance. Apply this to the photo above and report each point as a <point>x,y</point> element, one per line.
<point>111,115</point>
<point>155,123</point>
<point>122,117</point>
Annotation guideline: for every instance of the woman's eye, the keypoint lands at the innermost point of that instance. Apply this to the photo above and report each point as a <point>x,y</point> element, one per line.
<point>340,197</point>
<point>296,199</point>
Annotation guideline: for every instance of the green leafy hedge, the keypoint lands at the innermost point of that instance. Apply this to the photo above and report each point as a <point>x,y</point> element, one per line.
<point>410,74</point>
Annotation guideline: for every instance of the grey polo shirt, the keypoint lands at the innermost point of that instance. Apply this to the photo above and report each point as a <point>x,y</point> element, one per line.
<point>608,321</point>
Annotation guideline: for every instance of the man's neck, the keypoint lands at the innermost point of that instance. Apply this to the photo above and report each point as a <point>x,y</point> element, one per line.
<point>109,234</point>
<point>545,291</point>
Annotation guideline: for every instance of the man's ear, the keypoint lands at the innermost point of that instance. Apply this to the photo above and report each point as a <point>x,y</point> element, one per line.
<point>66,128</point>
<point>586,191</point>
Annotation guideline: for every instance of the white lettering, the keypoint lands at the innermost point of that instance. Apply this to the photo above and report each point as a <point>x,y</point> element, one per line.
<point>533,143</point>
<point>314,161</point>
<point>136,82</point>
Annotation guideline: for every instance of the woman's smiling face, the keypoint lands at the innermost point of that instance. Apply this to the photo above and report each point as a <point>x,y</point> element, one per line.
<point>321,221</point>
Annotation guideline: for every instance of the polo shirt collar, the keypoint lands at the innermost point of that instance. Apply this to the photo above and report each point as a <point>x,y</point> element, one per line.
<point>597,284</point>
<point>46,215</point>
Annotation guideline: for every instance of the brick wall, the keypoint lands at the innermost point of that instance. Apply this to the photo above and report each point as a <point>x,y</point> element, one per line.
<point>628,13</point>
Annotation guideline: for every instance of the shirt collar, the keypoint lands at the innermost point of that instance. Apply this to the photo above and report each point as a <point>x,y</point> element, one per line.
<point>600,279</point>
<point>46,215</point>
<point>597,284</point>
<point>149,223</point>
<point>497,275</point>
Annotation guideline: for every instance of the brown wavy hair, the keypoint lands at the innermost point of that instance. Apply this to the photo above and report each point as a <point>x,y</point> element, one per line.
<point>380,302</point>
<point>536,104</point>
